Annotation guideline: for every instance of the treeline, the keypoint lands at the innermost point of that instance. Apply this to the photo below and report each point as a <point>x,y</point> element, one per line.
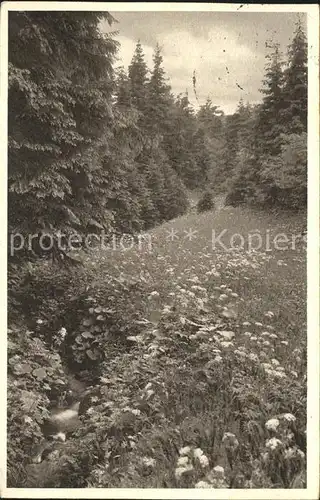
<point>90,148</point>
<point>267,159</point>
<point>93,148</point>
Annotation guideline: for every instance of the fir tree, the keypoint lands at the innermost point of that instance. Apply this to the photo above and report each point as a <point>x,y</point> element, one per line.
<point>295,84</point>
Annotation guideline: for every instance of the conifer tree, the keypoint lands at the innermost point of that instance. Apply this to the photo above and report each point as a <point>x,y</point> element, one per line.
<point>138,77</point>
<point>270,124</point>
<point>60,116</point>
<point>295,83</point>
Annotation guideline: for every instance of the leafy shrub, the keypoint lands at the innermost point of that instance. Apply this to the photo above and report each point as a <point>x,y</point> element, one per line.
<point>36,380</point>
<point>206,202</point>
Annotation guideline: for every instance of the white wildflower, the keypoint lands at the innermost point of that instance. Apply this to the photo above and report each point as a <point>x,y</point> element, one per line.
<point>226,334</point>
<point>218,359</point>
<point>219,471</point>
<point>234,294</point>
<point>62,332</point>
<point>266,366</point>
<point>273,336</point>
<point>284,342</point>
<point>223,296</point>
<point>265,334</point>
<point>135,411</point>
<point>247,334</point>
<point>257,323</point>
<point>253,357</point>
<point>154,294</point>
<point>185,450</point>
<point>226,344</point>
<point>272,424</point>
<point>254,338</point>
<point>289,417</point>
<point>182,461</point>
<point>202,484</point>
<point>246,323</point>
<point>273,443</point>
<point>275,362</point>
<point>197,452</point>
<point>269,314</point>
<point>182,470</point>
<point>39,321</point>
<point>204,461</point>
<point>230,440</point>
<point>266,343</point>
<point>149,462</point>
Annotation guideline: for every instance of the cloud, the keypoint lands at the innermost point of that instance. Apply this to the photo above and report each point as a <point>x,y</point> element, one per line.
<point>220,61</point>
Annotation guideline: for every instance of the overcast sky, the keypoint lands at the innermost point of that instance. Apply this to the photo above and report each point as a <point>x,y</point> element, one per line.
<point>224,49</point>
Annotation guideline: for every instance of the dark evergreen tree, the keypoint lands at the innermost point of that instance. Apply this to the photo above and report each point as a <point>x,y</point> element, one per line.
<point>270,123</point>
<point>138,77</point>
<point>296,84</point>
<point>60,117</point>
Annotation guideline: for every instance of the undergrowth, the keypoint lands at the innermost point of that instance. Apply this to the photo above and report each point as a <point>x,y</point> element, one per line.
<point>196,357</point>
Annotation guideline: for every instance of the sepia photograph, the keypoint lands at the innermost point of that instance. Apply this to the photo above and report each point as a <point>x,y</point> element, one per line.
<point>161,219</point>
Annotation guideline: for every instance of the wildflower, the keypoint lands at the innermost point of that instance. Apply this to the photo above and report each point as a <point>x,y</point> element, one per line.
<point>273,336</point>
<point>269,314</point>
<point>272,424</point>
<point>275,362</point>
<point>155,294</point>
<point>227,334</point>
<point>266,366</point>
<point>294,373</point>
<point>234,294</point>
<point>218,359</point>
<point>254,337</point>
<point>246,323</point>
<point>203,484</point>
<point>253,357</point>
<point>223,296</point>
<point>135,411</point>
<point>149,462</point>
<point>219,471</point>
<point>226,344</point>
<point>39,321</point>
<point>185,450</point>
<point>204,462</point>
<point>230,440</point>
<point>62,332</point>
<point>266,343</point>
<point>258,324</point>
<point>265,334</point>
<point>197,452</point>
<point>247,334</point>
<point>273,443</point>
<point>289,417</point>
<point>182,461</point>
<point>240,353</point>
<point>279,374</point>
<point>181,470</point>
<point>284,342</point>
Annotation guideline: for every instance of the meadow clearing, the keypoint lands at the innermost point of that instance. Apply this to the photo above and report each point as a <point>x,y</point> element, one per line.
<point>218,364</point>
<point>207,384</point>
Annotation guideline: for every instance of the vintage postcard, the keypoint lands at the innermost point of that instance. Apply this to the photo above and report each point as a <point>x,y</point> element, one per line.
<point>160,229</point>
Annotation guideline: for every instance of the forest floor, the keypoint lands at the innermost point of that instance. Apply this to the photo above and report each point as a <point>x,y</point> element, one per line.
<point>212,392</point>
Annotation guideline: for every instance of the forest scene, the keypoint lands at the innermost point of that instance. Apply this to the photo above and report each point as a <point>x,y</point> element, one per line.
<point>157,319</point>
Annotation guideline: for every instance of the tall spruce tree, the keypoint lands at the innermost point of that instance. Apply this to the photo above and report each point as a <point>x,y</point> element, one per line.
<point>295,83</point>
<point>60,117</point>
<point>138,77</point>
<point>270,124</point>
